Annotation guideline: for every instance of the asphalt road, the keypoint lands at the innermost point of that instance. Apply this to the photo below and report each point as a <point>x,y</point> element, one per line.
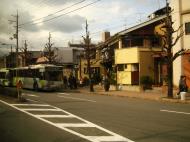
<point>92,118</point>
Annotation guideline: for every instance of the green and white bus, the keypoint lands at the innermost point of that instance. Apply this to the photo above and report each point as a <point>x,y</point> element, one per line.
<point>4,77</point>
<point>38,77</point>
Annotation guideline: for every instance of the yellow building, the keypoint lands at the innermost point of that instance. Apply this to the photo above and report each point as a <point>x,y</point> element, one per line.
<point>96,67</point>
<point>137,52</point>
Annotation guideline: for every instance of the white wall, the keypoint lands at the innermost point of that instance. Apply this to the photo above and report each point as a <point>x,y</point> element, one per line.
<point>65,55</point>
<point>180,6</point>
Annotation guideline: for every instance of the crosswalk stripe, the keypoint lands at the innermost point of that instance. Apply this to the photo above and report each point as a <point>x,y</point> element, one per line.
<point>30,104</point>
<point>54,116</point>
<point>66,126</point>
<point>74,125</point>
<point>38,109</point>
<point>109,138</point>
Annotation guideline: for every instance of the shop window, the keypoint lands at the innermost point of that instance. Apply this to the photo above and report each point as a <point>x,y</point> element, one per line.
<point>187,28</point>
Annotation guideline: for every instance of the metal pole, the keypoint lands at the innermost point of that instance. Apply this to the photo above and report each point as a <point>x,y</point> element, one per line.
<point>17,40</point>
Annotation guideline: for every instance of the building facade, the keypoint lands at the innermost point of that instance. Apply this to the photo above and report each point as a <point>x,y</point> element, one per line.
<point>136,53</point>
<point>181,16</point>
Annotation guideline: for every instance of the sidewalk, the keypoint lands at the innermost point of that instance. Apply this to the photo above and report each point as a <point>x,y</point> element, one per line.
<point>154,94</point>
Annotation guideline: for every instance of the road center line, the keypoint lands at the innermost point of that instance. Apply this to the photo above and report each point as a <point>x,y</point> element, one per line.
<point>171,111</point>
<point>77,98</point>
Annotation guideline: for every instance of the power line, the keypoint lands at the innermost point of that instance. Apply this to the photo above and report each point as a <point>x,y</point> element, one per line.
<point>32,21</point>
<point>64,13</point>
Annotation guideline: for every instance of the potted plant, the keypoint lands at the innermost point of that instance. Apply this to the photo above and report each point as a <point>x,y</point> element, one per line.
<point>146,82</point>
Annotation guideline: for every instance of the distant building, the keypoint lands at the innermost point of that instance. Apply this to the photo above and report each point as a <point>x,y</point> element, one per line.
<point>2,62</point>
<point>69,57</point>
<point>32,57</point>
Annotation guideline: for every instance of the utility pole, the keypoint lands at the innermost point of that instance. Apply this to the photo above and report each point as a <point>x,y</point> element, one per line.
<point>25,51</point>
<point>49,38</point>
<point>17,39</point>
<point>16,35</point>
<point>87,41</point>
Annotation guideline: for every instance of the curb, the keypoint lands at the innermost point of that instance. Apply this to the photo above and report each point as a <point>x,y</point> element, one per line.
<point>160,99</point>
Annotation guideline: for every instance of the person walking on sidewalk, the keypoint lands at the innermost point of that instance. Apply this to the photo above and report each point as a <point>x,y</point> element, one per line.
<point>182,84</point>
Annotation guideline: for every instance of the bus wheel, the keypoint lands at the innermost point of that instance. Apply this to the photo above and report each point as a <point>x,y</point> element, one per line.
<point>36,87</point>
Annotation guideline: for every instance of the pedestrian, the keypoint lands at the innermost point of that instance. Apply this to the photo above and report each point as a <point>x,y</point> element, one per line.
<point>182,84</point>
<point>70,81</point>
<point>65,82</point>
<point>19,86</point>
<point>74,82</point>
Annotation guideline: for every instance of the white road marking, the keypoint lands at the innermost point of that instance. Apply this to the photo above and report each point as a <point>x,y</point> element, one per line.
<point>74,125</point>
<point>175,112</point>
<point>77,99</point>
<point>107,138</point>
<point>31,95</point>
<point>32,100</point>
<point>114,137</point>
<point>38,109</point>
<point>64,94</point>
<point>54,116</point>
<point>30,105</point>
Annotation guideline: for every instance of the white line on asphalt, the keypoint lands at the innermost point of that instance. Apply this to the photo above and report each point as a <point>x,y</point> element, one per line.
<point>114,137</point>
<point>107,138</point>
<point>74,125</point>
<point>31,95</point>
<point>38,109</point>
<point>77,99</point>
<point>31,100</point>
<point>30,104</point>
<point>55,116</point>
<point>64,94</point>
<point>175,112</point>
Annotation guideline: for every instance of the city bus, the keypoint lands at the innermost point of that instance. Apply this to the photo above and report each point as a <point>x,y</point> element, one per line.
<point>4,77</point>
<point>38,77</point>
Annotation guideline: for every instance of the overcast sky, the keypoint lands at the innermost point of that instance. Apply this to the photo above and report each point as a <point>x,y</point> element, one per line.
<point>65,19</point>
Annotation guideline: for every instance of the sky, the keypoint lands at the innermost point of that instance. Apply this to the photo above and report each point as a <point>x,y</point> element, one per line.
<point>65,19</point>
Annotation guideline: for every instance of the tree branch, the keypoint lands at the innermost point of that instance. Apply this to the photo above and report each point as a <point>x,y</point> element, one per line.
<point>177,38</point>
<point>178,53</point>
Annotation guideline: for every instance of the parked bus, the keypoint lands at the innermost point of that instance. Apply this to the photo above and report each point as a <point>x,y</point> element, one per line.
<point>4,77</point>
<point>38,77</point>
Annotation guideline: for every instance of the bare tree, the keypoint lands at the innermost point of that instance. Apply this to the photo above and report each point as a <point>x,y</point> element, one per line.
<point>49,51</point>
<point>87,42</point>
<point>26,56</point>
<point>168,43</point>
